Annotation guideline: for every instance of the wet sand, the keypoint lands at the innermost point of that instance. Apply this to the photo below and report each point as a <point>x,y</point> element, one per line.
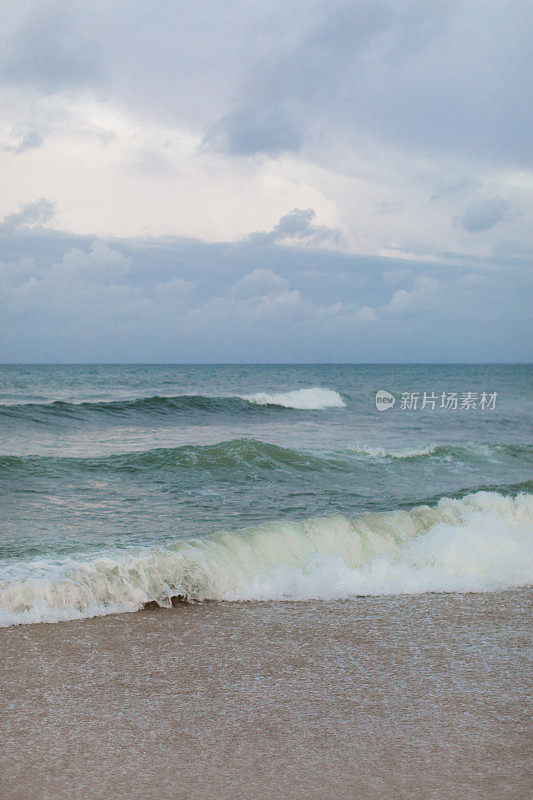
<point>372,698</point>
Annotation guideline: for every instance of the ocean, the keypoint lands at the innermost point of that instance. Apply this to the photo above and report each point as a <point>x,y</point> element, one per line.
<point>129,485</point>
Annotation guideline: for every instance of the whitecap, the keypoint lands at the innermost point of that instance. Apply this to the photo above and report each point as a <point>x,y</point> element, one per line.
<point>481,542</point>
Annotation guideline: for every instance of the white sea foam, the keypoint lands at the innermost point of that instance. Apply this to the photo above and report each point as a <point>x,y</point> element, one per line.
<point>480,543</point>
<point>305,399</point>
<point>383,452</point>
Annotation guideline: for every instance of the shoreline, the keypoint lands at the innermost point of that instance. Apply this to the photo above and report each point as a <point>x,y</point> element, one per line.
<point>410,696</point>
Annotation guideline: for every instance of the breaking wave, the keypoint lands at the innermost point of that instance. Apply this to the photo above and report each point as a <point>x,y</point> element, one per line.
<point>314,399</point>
<point>481,542</point>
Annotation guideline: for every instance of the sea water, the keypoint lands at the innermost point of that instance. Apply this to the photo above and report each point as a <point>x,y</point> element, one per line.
<point>123,485</point>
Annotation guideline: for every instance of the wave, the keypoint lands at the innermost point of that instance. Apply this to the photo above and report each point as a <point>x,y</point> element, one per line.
<point>458,451</point>
<point>41,412</point>
<point>382,452</point>
<point>237,453</point>
<point>314,399</point>
<point>242,454</point>
<point>481,542</point>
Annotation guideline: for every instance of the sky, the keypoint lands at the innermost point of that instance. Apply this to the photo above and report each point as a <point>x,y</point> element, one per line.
<point>266,181</point>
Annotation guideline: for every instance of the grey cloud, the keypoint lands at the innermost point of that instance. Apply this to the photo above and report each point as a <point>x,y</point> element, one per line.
<point>268,131</point>
<point>297,225</point>
<point>388,207</point>
<point>70,298</point>
<point>395,276</point>
<point>418,299</point>
<point>455,187</point>
<point>49,49</point>
<point>174,291</point>
<point>408,72</point>
<point>37,213</point>
<point>484,213</point>
<point>365,314</point>
<point>435,77</point>
<point>261,283</point>
<point>28,141</point>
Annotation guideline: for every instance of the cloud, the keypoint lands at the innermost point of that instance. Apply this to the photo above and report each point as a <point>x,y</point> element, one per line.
<point>69,298</point>
<point>406,72</point>
<point>402,303</point>
<point>48,48</point>
<point>260,298</point>
<point>78,284</point>
<point>484,213</point>
<point>397,131</point>
<point>28,141</point>
<point>173,292</point>
<point>262,285</point>
<point>366,314</point>
<point>387,117</point>
<point>431,77</point>
<point>102,264</point>
<point>298,226</point>
<point>37,213</point>
<point>268,131</point>
<point>458,186</point>
<point>395,276</point>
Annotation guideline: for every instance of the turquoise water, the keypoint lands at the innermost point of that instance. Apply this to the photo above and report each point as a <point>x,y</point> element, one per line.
<point>96,461</point>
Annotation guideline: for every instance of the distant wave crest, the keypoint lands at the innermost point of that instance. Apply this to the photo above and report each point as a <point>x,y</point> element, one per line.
<point>382,452</point>
<point>313,399</point>
<point>481,542</point>
<point>457,451</point>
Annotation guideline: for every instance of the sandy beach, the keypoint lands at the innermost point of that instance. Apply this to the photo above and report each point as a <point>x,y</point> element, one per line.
<point>383,697</point>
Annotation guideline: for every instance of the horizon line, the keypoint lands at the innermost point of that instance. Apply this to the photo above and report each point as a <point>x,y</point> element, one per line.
<point>261,363</point>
